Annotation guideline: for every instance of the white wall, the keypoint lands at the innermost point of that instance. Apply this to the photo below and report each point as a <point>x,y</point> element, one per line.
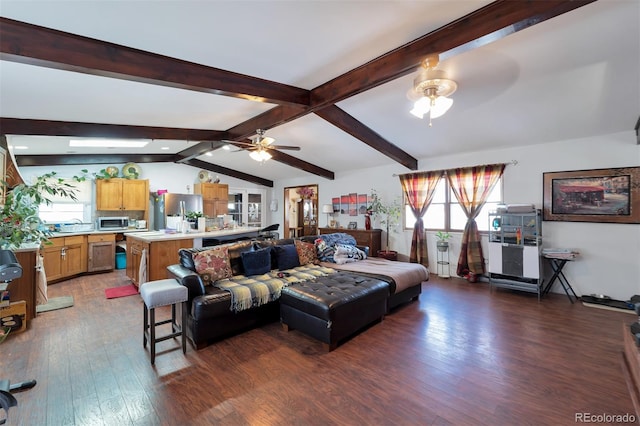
<point>175,178</point>
<point>610,253</point>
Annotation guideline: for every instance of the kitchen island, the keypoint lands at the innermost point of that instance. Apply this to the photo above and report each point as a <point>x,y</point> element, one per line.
<point>157,249</point>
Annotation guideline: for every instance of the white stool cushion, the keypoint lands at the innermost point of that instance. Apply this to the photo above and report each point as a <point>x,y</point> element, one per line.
<point>163,292</point>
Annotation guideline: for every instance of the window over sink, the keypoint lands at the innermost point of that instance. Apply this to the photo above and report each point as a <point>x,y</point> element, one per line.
<point>66,210</point>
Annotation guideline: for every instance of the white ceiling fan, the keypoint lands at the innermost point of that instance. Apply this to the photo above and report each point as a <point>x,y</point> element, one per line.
<point>260,146</point>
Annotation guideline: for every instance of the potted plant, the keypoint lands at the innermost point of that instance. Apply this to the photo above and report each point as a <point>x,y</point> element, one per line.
<point>443,243</point>
<point>389,215</point>
<point>192,217</point>
<point>19,221</point>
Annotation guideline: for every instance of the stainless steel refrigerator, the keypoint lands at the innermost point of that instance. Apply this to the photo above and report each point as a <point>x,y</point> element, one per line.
<point>172,206</point>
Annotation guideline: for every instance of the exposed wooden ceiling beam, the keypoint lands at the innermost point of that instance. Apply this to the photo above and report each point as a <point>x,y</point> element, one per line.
<point>83,159</point>
<point>35,45</point>
<point>198,150</point>
<point>514,15</point>
<point>301,164</point>
<point>265,121</point>
<point>347,123</point>
<point>492,22</point>
<point>18,126</point>
<point>229,172</point>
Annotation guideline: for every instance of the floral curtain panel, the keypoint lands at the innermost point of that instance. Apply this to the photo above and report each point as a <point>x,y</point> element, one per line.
<point>471,186</point>
<point>419,189</point>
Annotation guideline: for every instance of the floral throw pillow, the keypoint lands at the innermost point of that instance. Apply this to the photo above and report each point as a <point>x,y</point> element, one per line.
<point>213,264</point>
<point>306,252</point>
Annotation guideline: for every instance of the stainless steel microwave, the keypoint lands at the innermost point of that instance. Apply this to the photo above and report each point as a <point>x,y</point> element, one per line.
<point>113,223</point>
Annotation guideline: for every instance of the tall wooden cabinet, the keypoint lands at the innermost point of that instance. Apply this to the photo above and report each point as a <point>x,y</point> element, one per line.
<point>370,238</point>
<point>215,198</point>
<point>117,194</point>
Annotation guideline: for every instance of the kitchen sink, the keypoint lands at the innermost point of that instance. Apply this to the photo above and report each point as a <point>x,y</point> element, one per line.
<point>76,227</point>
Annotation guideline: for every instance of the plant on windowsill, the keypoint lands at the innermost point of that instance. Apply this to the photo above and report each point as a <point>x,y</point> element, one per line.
<point>389,215</point>
<point>19,221</point>
<point>443,243</point>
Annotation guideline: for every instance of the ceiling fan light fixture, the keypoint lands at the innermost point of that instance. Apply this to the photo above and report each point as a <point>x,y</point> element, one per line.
<point>440,106</point>
<point>260,155</point>
<point>432,87</point>
<point>421,107</point>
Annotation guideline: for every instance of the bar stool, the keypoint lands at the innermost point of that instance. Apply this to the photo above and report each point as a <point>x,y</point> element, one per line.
<point>163,293</point>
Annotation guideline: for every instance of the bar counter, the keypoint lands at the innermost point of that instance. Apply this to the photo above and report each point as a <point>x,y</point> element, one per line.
<point>149,253</point>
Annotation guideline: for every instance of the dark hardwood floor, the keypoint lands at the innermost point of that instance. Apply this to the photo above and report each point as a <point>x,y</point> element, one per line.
<point>461,355</point>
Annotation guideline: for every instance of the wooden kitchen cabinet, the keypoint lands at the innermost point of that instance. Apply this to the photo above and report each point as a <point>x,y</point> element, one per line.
<point>158,255</point>
<point>122,194</point>
<point>135,250</point>
<point>212,191</point>
<point>215,198</point>
<point>65,257</point>
<point>101,252</point>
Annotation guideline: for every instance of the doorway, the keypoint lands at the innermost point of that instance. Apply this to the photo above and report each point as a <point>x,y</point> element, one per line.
<point>300,211</point>
<point>246,207</point>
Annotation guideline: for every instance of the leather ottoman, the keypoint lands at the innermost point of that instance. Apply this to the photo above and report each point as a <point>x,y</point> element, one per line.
<point>333,307</point>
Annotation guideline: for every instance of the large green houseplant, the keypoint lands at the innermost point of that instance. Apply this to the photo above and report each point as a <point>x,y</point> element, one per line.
<point>389,215</point>
<point>19,221</point>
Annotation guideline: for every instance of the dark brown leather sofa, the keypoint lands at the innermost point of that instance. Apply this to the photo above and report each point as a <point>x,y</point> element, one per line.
<point>210,317</point>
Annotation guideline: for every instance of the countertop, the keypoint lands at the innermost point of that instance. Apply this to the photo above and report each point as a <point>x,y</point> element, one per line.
<point>94,232</point>
<point>153,236</point>
<point>27,247</point>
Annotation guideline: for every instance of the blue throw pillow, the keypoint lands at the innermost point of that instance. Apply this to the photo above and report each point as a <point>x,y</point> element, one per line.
<point>287,256</point>
<point>256,262</point>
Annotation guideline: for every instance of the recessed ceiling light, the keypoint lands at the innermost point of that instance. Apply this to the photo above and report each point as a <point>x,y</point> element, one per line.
<point>208,154</point>
<point>226,147</point>
<point>108,143</point>
<point>19,147</point>
<point>164,148</point>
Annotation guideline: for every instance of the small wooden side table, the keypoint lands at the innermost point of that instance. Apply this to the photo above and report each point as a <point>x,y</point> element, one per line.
<point>557,264</point>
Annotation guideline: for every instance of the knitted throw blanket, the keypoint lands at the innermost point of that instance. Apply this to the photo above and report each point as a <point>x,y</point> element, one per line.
<point>255,290</point>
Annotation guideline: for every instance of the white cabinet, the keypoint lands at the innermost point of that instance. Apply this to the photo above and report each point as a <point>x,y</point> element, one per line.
<point>515,248</point>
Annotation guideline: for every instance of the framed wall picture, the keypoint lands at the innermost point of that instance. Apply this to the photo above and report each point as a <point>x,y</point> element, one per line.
<point>362,204</point>
<point>344,204</point>
<point>353,204</point>
<point>353,225</point>
<point>335,201</point>
<point>599,195</point>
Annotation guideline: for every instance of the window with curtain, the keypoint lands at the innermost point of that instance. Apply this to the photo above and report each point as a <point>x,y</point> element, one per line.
<point>445,212</point>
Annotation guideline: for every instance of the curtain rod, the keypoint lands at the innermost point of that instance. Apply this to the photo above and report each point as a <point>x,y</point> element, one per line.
<point>512,162</point>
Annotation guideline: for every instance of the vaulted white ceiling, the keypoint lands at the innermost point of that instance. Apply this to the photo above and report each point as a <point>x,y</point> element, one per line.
<point>572,76</point>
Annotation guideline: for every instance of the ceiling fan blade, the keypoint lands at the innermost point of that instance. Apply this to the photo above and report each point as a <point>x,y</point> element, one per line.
<point>267,140</point>
<point>293,148</point>
<point>249,144</point>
